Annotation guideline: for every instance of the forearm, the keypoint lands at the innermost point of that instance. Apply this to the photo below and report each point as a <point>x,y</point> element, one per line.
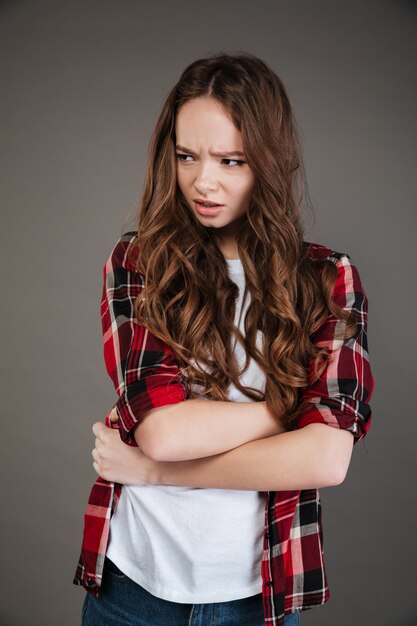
<point>195,428</point>
<point>315,456</point>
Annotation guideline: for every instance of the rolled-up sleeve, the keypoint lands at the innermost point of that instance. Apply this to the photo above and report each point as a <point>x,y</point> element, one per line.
<point>142,368</point>
<point>340,397</point>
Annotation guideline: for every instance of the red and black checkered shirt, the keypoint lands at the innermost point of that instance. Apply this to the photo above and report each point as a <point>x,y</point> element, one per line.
<point>146,375</point>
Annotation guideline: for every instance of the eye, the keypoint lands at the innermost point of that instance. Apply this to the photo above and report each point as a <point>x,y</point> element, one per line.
<point>239,163</point>
<point>182,157</point>
<point>229,162</point>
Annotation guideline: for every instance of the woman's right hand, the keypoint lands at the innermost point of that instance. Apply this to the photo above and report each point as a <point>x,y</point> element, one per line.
<point>116,461</point>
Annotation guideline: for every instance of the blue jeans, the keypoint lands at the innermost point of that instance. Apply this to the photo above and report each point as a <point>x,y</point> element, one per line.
<point>122,602</point>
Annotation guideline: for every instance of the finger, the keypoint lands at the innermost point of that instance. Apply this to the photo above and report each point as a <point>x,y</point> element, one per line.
<point>99,444</point>
<point>95,454</point>
<point>98,428</point>
<point>113,415</point>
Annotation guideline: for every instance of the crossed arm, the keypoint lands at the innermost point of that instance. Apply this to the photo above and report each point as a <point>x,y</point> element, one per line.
<point>199,428</point>
<point>212,453</point>
<point>231,445</point>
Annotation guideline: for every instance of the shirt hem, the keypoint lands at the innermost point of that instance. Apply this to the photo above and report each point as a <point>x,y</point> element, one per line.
<point>239,594</point>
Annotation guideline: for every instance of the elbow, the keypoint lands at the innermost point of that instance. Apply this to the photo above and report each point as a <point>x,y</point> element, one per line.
<point>331,454</point>
<point>155,451</point>
<point>161,448</point>
<point>338,463</point>
<point>329,475</point>
<point>324,476</point>
<point>147,447</point>
<point>151,438</point>
<point>338,475</point>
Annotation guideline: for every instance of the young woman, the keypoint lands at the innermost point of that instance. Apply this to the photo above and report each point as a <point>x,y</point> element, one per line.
<point>239,355</point>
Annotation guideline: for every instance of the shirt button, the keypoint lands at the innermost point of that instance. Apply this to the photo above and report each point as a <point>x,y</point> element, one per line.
<point>269,583</point>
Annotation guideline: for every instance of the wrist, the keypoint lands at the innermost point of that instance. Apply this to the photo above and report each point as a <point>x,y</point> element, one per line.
<point>156,473</point>
<point>274,425</point>
<point>174,473</point>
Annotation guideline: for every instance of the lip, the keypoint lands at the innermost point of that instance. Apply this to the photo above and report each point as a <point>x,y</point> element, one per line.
<point>206,200</point>
<point>206,210</point>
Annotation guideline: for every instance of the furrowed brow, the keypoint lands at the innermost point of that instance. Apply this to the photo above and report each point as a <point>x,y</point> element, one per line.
<point>218,154</point>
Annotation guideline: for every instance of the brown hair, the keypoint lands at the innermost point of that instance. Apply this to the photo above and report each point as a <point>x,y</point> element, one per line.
<point>188,299</point>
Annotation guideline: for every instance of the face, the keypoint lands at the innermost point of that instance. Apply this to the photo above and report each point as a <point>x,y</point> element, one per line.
<point>211,167</point>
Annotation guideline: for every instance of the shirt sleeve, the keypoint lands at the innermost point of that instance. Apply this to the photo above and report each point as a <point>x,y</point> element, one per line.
<point>340,397</point>
<point>142,368</point>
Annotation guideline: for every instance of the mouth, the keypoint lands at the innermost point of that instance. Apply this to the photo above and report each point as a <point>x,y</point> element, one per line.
<point>207,208</point>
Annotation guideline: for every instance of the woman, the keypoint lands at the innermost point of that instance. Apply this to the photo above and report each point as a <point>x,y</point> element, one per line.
<point>239,355</point>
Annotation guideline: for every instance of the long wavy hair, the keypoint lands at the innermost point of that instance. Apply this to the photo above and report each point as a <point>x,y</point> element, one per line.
<point>188,299</point>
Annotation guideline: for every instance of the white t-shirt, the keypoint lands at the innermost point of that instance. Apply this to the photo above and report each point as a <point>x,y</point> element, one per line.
<point>193,545</point>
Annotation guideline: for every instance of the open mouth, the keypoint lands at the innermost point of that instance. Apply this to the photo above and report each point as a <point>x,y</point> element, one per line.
<point>207,208</point>
<point>207,205</point>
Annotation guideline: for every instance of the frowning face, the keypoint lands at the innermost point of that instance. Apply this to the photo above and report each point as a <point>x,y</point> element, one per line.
<point>211,168</point>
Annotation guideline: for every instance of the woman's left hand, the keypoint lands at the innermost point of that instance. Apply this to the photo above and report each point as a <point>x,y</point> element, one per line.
<point>118,462</point>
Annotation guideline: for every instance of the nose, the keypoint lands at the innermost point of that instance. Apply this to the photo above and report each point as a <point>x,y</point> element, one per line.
<point>205,179</point>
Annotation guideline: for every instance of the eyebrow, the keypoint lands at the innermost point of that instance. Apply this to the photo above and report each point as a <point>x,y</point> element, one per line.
<point>218,154</point>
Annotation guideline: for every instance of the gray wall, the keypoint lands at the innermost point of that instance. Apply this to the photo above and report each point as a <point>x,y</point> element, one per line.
<point>82,85</point>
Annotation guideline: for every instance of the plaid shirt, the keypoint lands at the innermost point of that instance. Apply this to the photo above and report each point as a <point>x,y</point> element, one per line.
<point>146,375</point>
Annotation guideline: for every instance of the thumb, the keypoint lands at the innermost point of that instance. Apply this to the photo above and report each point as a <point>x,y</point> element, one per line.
<point>113,415</point>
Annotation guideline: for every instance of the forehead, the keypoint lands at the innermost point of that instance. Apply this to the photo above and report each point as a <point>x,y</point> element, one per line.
<point>205,119</point>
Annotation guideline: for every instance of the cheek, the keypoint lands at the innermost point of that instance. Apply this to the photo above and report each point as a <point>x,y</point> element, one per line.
<point>245,182</point>
<point>182,179</point>
<point>246,190</point>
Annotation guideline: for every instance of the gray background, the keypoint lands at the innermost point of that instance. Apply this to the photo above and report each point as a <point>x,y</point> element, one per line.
<point>82,85</point>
